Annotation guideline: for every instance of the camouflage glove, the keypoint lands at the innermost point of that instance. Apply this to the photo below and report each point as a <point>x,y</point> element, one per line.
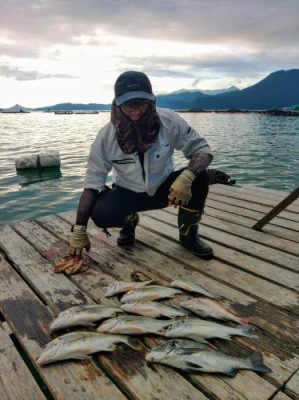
<point>180,190</point>
<point>79,240</point>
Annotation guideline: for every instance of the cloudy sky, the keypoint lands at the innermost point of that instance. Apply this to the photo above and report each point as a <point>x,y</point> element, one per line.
<point>54,51</point>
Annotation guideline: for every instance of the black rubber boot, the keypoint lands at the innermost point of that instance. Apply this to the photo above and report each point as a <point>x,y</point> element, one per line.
<point>188,226</point>
<point>127,233</point>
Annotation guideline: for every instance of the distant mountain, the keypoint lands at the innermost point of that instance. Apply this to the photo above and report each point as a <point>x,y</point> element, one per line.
<point>74,107</point>
<point>277,90</point>
<point>17,108</point>
<point>203,91</point>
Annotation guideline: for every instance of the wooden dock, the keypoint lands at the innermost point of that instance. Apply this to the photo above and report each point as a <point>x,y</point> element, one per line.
<point>255,273</point>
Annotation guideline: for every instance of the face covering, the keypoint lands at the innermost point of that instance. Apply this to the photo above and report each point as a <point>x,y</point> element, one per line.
<point>136,136</point>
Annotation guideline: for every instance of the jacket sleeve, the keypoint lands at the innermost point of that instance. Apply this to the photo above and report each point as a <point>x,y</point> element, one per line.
<point>98,164</point>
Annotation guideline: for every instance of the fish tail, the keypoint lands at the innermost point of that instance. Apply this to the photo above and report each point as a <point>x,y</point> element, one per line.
<point>257,363</point>
<point>247,330</point>
<point>134,343</point>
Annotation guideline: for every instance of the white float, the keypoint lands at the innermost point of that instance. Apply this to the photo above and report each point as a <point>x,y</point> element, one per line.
<point>41,160</point>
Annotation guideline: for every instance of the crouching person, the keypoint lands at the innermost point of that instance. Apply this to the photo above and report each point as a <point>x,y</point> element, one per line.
<point>138,146</point>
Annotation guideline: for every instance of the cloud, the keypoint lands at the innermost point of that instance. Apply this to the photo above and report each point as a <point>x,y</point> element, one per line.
<point>180,41</point>
<point>18,74</point>
<point>41,23</point>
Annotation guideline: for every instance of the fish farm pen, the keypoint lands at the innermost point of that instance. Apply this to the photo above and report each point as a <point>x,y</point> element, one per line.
<point>254,272</point>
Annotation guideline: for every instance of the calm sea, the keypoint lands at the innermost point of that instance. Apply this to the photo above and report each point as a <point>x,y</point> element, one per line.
<point>252,148</point>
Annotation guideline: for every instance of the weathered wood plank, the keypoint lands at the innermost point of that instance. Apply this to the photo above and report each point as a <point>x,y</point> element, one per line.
<point>255,196</point>
<point>233,276</point>
<point>28,318</point>
<point>263,238</point>
<point>16,381</point>
<point>291,217</point>
<point>281,396</point>
<point>142,381</point>
<point>247,218</point>
<point>246,262</point>
<point>292,386</point>
<point>39,272</point>
<point>260,251</point>
<point>220,388</point>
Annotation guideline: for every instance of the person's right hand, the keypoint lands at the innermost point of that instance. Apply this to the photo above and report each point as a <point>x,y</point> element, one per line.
<point>79,240</point>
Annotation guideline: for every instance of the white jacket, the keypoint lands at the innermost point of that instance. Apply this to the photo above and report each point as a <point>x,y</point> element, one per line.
<point>105,154</point>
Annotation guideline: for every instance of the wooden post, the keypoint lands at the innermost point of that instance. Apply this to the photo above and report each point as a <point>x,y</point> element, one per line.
<point>276,210</point>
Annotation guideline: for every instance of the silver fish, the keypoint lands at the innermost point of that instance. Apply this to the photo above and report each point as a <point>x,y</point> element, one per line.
<point>152,309</point>
<point>204,360</point>
<point>211,308</point>
<point>199,329</point>
<point>152,292</point>
<point>133,325</point>
<point>190,286</point>
<point>121,287</point>
<point>79,345</point>
<point>83,315</point>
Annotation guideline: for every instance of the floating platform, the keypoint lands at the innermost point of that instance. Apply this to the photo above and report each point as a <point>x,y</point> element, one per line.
<point>255,273</point>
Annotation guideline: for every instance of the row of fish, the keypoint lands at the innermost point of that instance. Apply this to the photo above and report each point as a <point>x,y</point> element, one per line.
<point>143,291</point>
<point>141,303</point>
<point>116,327</point>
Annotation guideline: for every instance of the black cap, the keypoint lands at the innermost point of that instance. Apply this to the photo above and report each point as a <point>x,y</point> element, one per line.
<point>132,85</point>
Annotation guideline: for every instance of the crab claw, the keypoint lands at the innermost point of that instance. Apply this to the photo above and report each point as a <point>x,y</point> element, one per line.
<point>71,265</point>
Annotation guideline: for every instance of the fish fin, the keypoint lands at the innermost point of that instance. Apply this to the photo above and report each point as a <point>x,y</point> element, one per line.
<point>246,320</point>
<point>134,343</point>
<point>192,365</point>
<point>187,351</point>
<point>229,372</point>
<point>257,362</point>
<point>87,324</point>
<point>112,347</point>
<point>247,330</point>
<point>198,339</point>
<point>81,357</point>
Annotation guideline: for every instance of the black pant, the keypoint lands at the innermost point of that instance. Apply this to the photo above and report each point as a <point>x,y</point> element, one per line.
<point>114,205</point>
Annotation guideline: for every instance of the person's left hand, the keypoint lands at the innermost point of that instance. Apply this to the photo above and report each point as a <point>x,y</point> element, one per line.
<point>180,190</point>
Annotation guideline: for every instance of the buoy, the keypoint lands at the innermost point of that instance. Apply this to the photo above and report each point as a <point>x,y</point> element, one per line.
<point>41,160</point>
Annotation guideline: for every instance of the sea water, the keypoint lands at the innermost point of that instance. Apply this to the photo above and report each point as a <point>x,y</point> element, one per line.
<point>252,148</point>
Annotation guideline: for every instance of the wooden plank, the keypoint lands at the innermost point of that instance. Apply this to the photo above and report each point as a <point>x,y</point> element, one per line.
<point>39,272</point>
<point>281,396</point>
<point>252,196</point>
<point>292,386</point>
<point>246,262</point>
<point>28,318</point>
<point>246,218</point>
<point>246,246</point>
<point>276,210</point>
<point>16,381</point>
<point>139,379</point>
<point>267,388</point>
<point>274,195</point>
<point>263,238</point>
<point>291,217</point>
